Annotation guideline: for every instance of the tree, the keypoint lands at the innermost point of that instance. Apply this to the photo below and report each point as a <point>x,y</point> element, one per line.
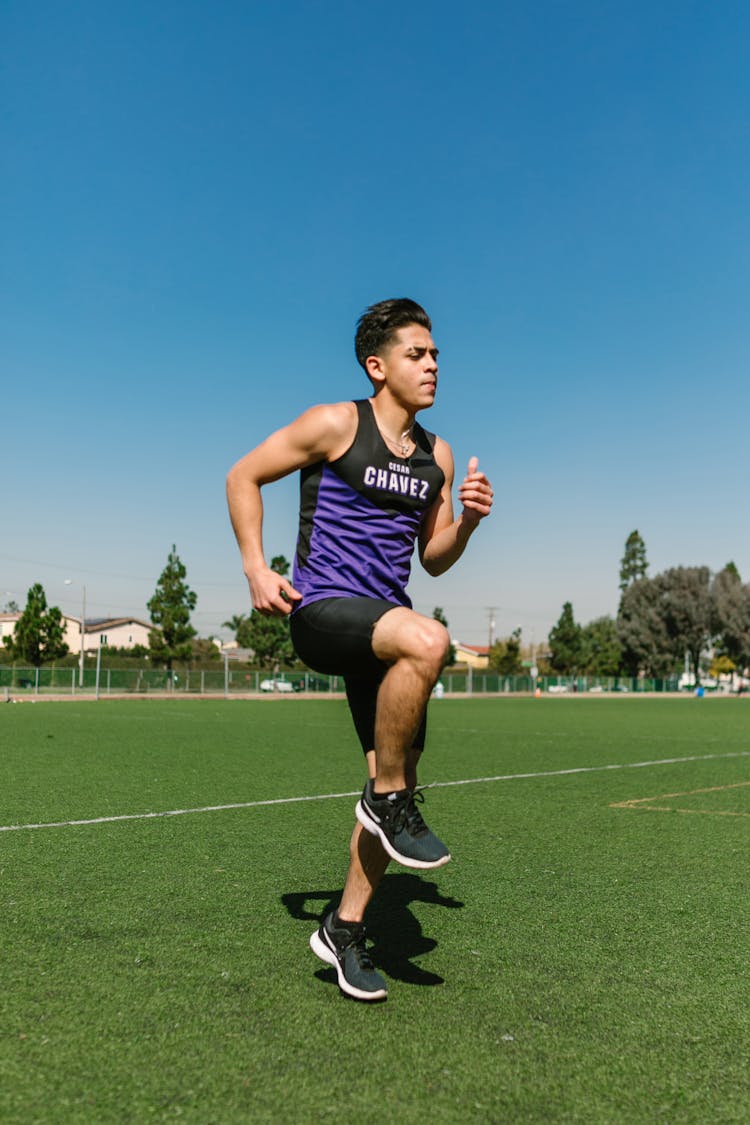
<point>642,632</point>
<point>505,655</point>
<point>566,643</point>
<point>170,609</point>
<point>38,635</point>
<point>438,615</point>
<point>662,618</point>
<point>602,651</point>
<point>722,666</point>
<point>686,607</point>
<point>235,623</point>
<point>634,564</point>
<point>730,601</point>
<point>10,607</point>
<point>204,650</point>
<point>269,639</point>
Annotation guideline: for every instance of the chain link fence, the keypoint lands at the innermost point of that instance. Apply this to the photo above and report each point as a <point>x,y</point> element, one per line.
<point>158,681</point>
<point>233,681</point>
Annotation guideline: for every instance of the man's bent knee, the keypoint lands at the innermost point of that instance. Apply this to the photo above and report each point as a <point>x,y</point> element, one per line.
<point>434,645</point>
<point>403,634</point>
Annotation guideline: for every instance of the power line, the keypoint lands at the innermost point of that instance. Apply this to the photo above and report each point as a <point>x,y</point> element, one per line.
<point>69,568</point>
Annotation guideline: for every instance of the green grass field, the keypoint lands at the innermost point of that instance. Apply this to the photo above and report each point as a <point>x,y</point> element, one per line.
<point>584,958</point>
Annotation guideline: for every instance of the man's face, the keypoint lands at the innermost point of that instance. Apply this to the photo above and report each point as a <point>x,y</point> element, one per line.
<point>409,367</point>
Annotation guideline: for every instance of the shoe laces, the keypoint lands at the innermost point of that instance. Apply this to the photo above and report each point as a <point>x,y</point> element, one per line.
<point>358,946</point>
<point>412,817</point>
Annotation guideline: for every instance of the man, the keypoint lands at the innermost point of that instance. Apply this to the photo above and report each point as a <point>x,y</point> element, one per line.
<point>373,483</point>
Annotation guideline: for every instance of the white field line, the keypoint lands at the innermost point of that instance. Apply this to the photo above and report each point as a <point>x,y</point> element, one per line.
<point>356,792</point>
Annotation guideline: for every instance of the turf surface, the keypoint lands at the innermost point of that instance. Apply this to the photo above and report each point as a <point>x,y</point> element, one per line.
<point>576,962</point>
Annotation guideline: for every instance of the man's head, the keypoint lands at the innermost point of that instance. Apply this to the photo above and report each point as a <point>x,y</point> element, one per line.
<point>378,325</point>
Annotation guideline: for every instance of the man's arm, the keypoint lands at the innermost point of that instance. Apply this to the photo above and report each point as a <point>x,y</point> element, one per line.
<point>321,433</point>
<point>443,539</point>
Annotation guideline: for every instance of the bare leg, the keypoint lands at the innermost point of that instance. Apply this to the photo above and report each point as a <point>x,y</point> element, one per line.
<point>368,860</point>
<point>412,759</point>
<point>415,648</point>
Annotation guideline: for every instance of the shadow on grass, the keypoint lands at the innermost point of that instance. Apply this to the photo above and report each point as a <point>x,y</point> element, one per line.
<point>392,929</point>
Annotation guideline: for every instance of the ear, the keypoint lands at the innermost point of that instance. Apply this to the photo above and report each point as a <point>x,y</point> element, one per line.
<point>375,370</point>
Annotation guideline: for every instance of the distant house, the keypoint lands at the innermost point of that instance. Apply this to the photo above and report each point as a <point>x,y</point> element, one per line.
<point>115,632</point>
<point>111,632</point>
<point>475,656</point>
<point>8,624</point>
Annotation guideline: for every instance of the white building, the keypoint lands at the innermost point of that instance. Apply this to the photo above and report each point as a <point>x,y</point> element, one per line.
<point>112,632</point>
<point>8,624</point>
<point>116,632</point>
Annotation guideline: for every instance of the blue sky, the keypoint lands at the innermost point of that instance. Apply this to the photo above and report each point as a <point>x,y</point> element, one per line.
<point>199,200</point>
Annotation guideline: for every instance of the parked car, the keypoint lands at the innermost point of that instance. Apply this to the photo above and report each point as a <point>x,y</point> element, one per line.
<point>279,685</point>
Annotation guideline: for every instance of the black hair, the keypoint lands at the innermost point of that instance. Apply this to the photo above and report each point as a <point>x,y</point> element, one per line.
<point>378,325</point>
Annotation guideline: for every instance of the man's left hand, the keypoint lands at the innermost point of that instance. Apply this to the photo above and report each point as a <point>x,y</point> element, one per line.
<point>475,492</point>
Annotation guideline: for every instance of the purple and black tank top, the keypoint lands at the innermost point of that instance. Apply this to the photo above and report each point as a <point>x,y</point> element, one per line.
<point>360,516</point>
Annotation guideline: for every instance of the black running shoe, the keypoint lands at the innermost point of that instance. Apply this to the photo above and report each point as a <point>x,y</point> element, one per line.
<point>399,824</point>
<point>343,946</point>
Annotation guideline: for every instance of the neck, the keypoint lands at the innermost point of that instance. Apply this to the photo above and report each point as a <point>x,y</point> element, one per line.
<point>396,429</point>
<point>392,417</point>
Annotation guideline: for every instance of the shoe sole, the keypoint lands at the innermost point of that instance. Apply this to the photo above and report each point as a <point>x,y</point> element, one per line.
<point>375,830</point>
<point>321,950</point>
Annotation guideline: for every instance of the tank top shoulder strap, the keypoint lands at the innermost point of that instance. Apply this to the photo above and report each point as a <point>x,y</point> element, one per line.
<point>365,414</point>
<point>424,439</point>
<point>367,438</point>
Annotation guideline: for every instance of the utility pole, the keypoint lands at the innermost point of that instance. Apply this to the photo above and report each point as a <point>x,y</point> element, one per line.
<point>492,609</point>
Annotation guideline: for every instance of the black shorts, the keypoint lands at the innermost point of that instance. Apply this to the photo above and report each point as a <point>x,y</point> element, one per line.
<point>334,636</point>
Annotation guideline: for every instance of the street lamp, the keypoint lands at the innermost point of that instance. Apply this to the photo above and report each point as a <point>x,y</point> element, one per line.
<point>71,582</point>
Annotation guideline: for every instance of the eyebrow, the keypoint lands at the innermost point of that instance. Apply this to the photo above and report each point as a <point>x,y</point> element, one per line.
<point>434,352</point>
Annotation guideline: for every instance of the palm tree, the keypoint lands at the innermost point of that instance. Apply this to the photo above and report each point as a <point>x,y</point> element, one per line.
<point>235,623</point>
